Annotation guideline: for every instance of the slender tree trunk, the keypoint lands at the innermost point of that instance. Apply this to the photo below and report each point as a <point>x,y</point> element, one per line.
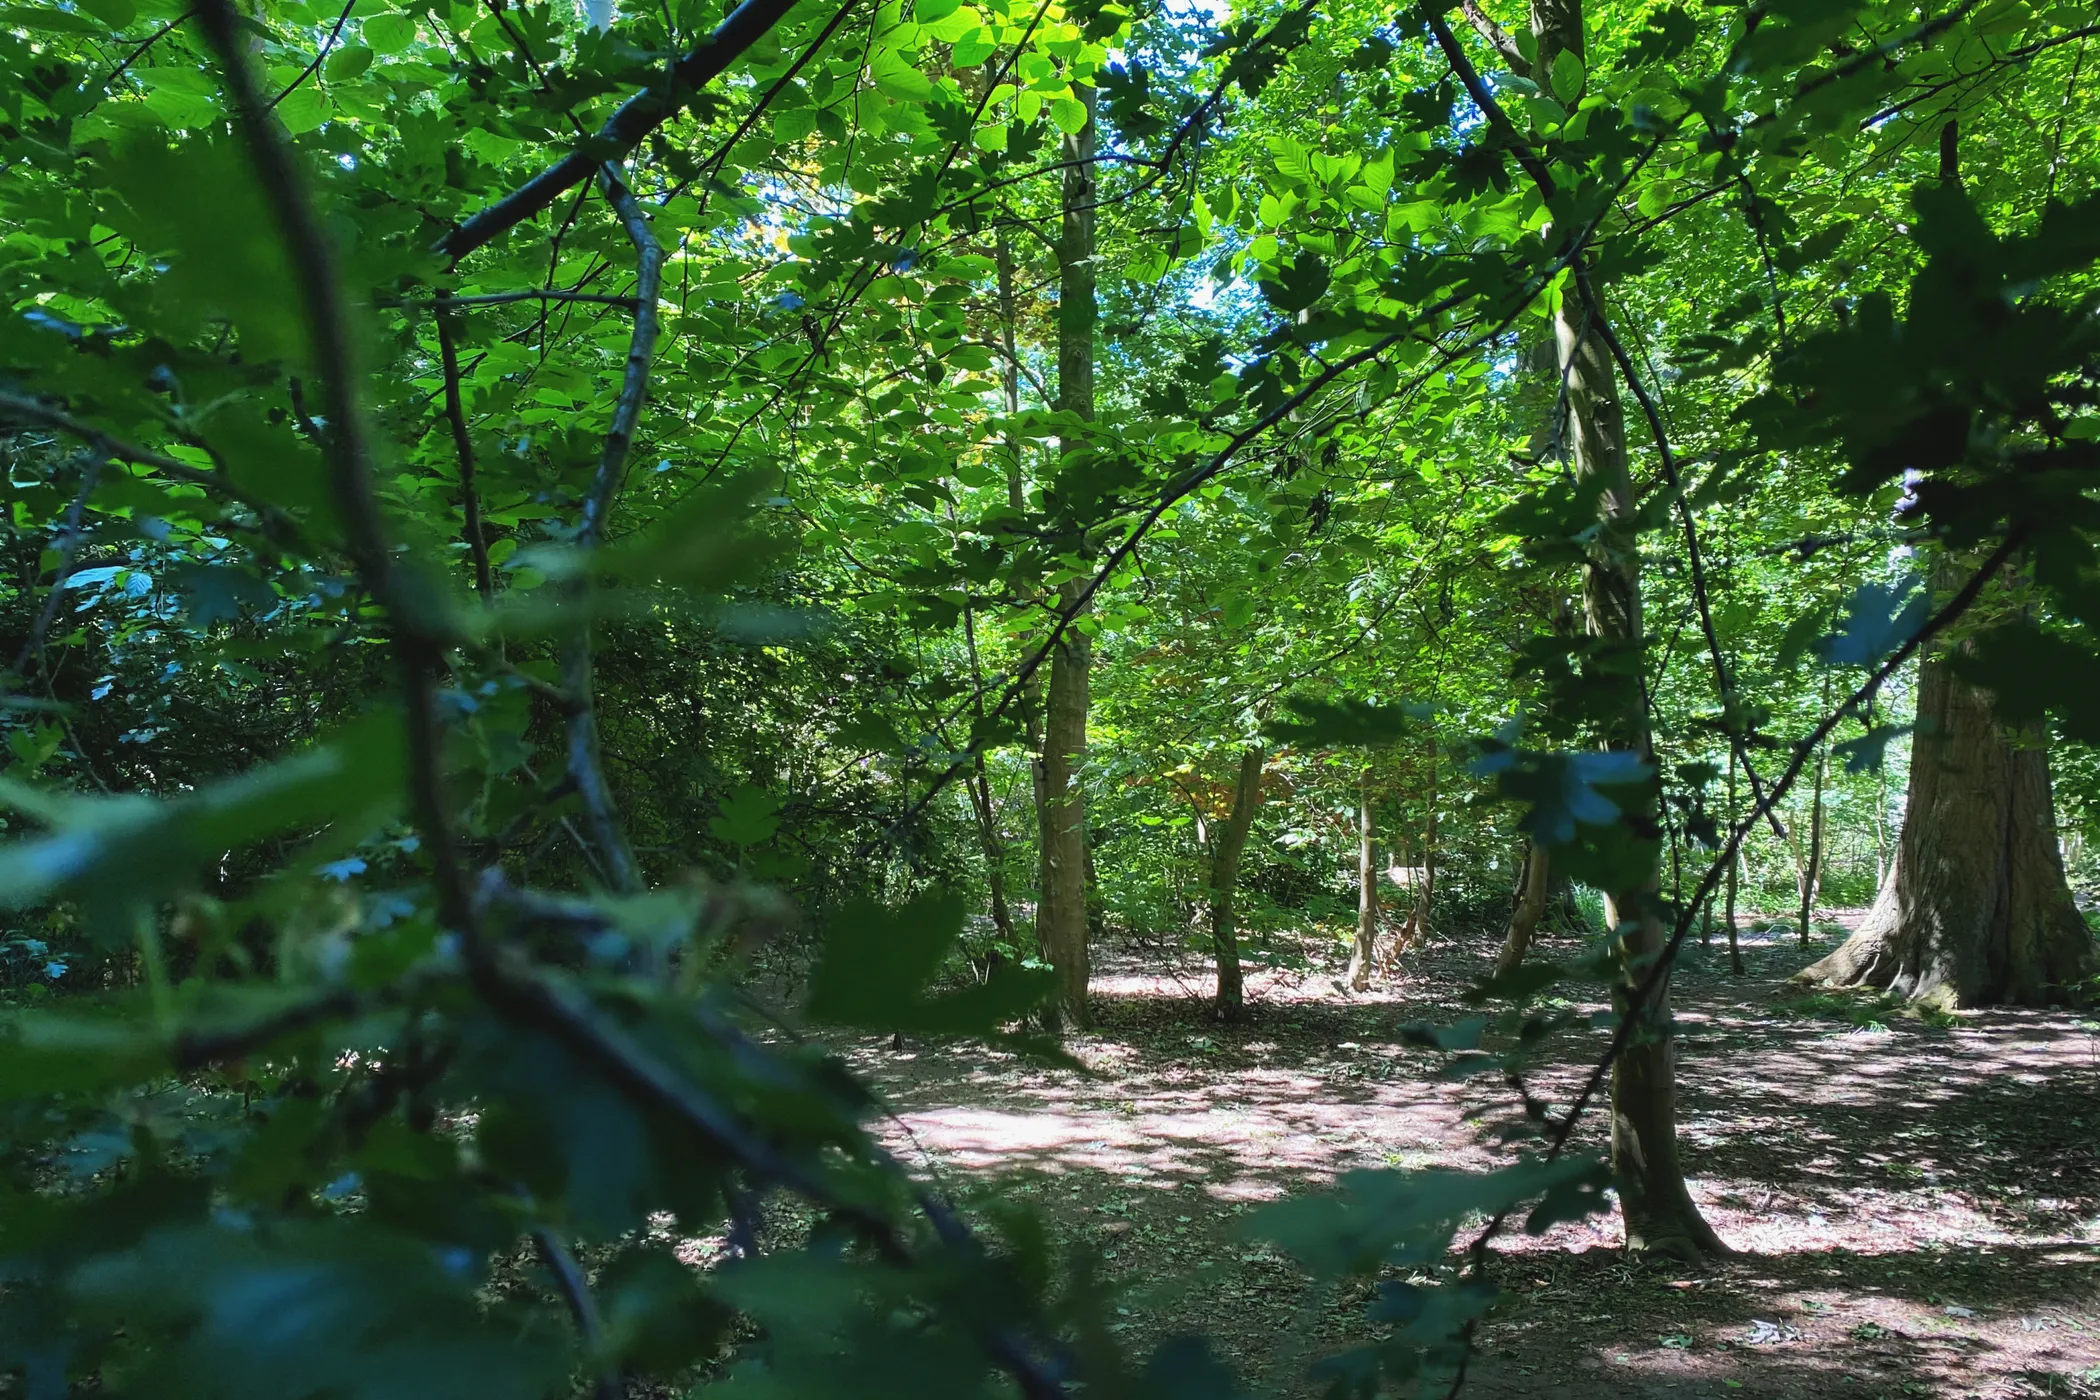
<point>1657,1207</point>
<point>1975,910</point>
<point>1365,949</point>
<point>1735,952</point>
<point>1061,915</point>
<point>994,845</point>
<point>1812,868</point>
<point>1225,880</point>
<point>1534,882</point>
<point>1425,897</point>
<point>1017,500</point>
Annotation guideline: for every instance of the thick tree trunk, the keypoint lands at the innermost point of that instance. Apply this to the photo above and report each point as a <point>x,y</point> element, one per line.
<point>1365,950</point>
<point>1658,1210</point>
<point>1534,882</point>
<point>1061,913</point>
<point>1225,881</point>
<point>1975,910</point>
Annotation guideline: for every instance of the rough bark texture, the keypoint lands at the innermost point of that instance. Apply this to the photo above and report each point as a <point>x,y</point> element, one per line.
<point>1365,949</point>
<point>1658,1210</point>
<point>1061,911</point>
<point>1225,881</point>
<point>1534,882</point>
<point>1975,910</point>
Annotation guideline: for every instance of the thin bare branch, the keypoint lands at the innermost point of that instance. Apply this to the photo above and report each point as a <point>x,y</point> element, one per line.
<point>585,765</point>
<point>463,448</point>
<point>575,1290</point>
<point>326,45</point>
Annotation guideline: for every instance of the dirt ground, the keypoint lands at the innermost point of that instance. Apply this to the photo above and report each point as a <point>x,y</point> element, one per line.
<point>1915,1207</point>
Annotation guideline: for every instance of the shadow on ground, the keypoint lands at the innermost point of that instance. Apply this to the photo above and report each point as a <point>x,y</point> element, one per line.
<point>1917,1208</point>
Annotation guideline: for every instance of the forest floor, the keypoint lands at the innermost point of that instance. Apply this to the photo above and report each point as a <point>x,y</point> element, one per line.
<point>1915,1207</point>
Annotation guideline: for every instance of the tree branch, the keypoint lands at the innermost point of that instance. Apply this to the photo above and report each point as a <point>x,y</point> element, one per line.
<point>22,409</point>
<point>575,1292</point>
<point>624,129</point>
<point>585,765</point>
<point>413,614</point>
<point>543,294</point>
<point>463,447</point>
<point>326,45</point>
<point>1497,37</point>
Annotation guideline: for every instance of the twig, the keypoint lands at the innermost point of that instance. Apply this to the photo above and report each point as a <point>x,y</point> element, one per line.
<point>326,44</point>
<point>575,1292</point>
<point>463,446</point>
<point>543,294</point>
<point>584,762</point>
<point>148,42</point>
<point>196,1049</point>
<point>69,537</point>
<point>714,162</point>
<point>23,409</point>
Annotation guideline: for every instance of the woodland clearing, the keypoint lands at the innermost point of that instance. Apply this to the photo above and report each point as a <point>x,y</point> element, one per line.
<point>1915,1206</point>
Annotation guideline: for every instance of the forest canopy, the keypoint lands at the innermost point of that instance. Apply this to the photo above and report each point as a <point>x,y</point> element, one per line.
<point>564,562</point>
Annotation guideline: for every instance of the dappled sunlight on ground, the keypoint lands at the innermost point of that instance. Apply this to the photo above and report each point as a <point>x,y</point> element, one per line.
<point>1916,1208</point>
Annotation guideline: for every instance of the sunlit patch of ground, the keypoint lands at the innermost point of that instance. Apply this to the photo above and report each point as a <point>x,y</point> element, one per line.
<point>1916,1208</point>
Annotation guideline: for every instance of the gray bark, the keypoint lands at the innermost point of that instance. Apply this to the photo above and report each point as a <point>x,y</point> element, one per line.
<point>1975,910</point>
<point>1224,884</point>
<point>1061,912</point>
<point>1365,950</point>
<point>1656,1206</point>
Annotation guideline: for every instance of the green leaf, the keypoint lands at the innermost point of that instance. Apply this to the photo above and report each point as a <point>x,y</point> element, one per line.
<point>115,854</point>
<point>1069,115</point>
<point>218,592</point>
<point>347,63</point>
<point>1879,618</point>
<point>1298,286</point>
<point>242,1314</point>
<point>1869,751</point>
<point>389,33</point>
<point>904,83</point>
<point>1345,723</point>
<point>876,964</point>
<point>1567,77</point>
<point>1381,1218</point>
<point>749,815</point>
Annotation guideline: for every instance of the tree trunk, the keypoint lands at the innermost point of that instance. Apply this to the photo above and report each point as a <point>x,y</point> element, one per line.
<point>994,845</point>
<point>1657,1207</point>
<point>1812,868</point>
<point>1365,949</point>
<point>1534,882</point>
<point>1975,910</point>
<point>1225,880</point>
<point>1061,914</point>
<point>1735,952</point>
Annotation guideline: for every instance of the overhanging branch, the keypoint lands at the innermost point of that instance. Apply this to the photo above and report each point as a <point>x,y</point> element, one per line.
<point>624,129</point>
